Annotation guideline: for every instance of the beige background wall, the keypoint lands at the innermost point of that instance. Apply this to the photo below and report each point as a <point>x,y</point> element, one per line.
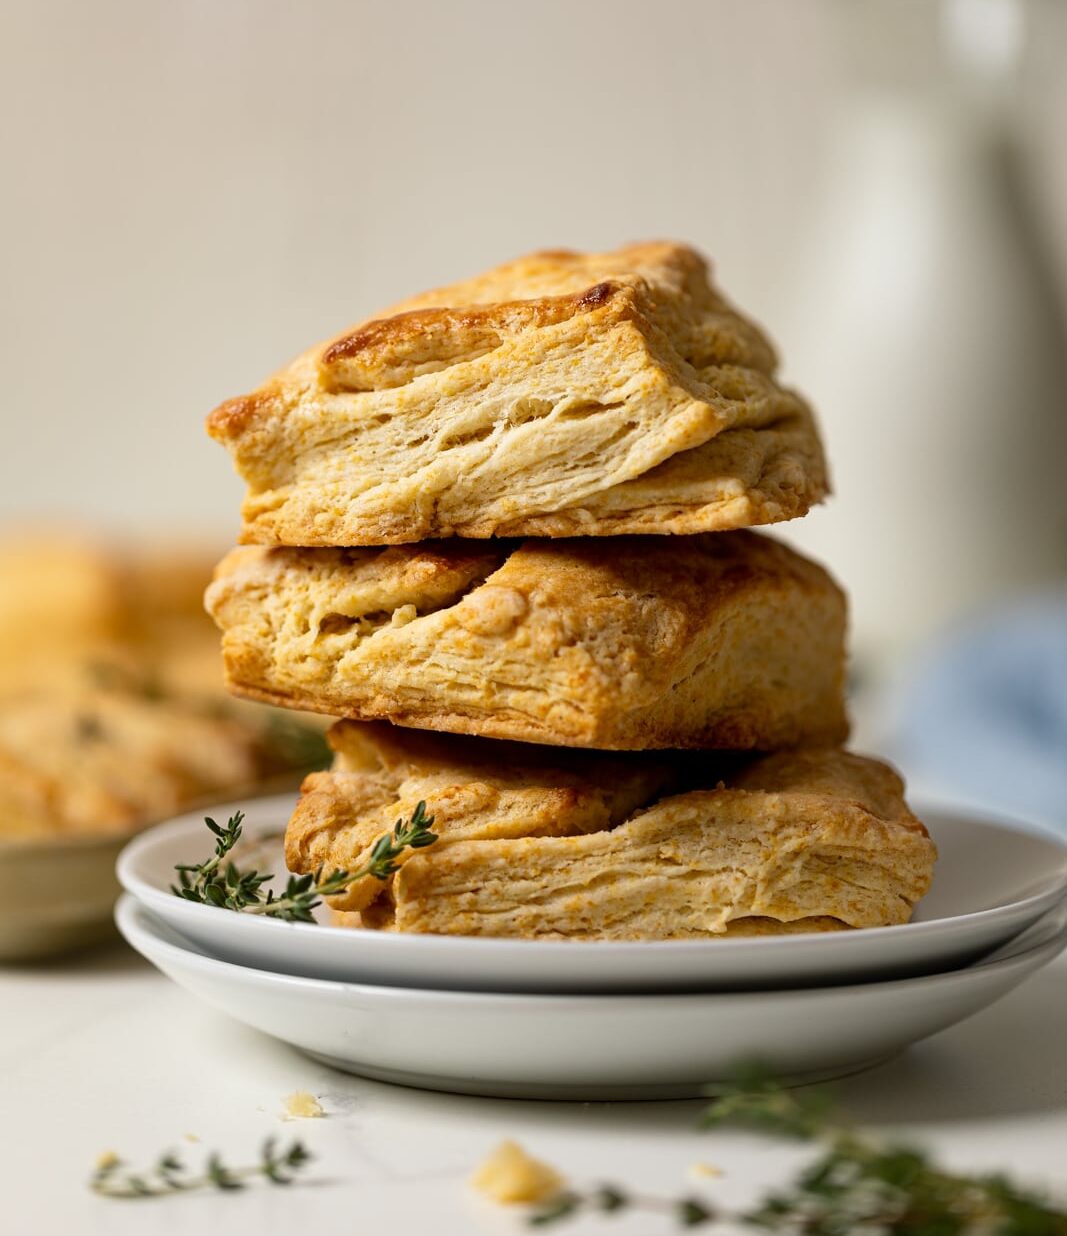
<point>196,190</point>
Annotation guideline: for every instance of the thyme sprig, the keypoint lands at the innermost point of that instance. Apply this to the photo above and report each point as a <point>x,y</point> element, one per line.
<point>856,1184</point>
<point>607,1199</point>
<point>218,882</point>
<point>168,1175</point>
<point>757,1102</point>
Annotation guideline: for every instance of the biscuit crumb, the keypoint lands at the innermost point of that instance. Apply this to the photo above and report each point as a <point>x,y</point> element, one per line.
<point>707,1171</point>
<point>492,610</point>
<point>402,615</point>
<point>509,1175</point>
<point>192,1137</point>
<point>108,1159</point>
<point>302,1105</point>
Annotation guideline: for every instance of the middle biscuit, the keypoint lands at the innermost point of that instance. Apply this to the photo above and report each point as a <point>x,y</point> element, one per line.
<point>724,640</point>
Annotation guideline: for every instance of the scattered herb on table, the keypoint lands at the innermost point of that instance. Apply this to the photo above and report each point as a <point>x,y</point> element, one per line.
<point>607,1199</point>
<point>856,1185</point>
<point>168,1175</point>
<point>218,882</point>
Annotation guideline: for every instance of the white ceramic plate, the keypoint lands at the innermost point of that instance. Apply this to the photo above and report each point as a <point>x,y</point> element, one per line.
<point>992,881</point>
<point>589,1047</point>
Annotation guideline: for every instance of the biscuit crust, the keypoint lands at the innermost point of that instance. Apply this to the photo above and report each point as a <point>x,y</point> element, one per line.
<point>727,640</point>
<point>565,845</point>
<point>562,394</point>
<point>479,789</point>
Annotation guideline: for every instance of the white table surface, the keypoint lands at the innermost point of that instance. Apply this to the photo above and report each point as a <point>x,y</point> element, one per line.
<point>106,1054</point>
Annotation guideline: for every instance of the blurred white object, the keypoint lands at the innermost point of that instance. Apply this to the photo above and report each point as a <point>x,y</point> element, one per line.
<point>923,333</point>
<point>985,36</point>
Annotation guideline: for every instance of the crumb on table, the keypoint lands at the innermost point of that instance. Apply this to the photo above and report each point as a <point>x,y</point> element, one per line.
<point>510,1175</point>
<point>302,1105</point>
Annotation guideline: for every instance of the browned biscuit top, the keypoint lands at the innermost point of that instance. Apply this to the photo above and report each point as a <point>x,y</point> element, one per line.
<point>529,399</point>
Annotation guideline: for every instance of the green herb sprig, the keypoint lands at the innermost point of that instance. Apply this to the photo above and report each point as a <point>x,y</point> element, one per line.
<point>169,1175</point>
<point>217,882</point>
<point>757,1102</point>
<point>607,1199</point>
<point>856,1185</point>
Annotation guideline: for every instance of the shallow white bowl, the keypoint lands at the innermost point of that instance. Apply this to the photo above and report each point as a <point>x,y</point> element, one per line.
<point>57,895</point>
<point>992,881</point>
<point>589,1047</point>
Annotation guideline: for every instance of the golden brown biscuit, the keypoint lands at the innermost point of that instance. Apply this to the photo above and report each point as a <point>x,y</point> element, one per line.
<point>724,640</point>
<point>478,788</point>
<point>112,709</point>
<point>56,592</point>
<point>109,767</point>
<point>78,612</point>
<point>98,762</point>
<point>105,752</point>
<point>563,394</point>
<point>810,840</point>
<point>67,600</point>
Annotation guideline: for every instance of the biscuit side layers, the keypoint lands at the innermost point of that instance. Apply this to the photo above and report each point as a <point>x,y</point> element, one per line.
<point>725,640</point>
<point>546,844</point>
<point>478,788</point>
<point>563,394</point>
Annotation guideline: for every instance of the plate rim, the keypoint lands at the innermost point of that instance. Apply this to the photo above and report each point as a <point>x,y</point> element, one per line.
<point>1051,943</point>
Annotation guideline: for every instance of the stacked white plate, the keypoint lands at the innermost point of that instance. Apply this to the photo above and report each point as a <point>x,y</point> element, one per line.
<point>552,1019</point>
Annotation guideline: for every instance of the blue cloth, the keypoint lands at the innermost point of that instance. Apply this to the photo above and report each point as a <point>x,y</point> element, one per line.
<point>984,712</point>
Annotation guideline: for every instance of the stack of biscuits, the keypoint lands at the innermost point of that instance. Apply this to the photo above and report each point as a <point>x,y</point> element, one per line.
<point>501,530</point>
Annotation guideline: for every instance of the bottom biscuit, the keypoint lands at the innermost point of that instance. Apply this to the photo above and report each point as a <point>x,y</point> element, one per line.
<point>587,846</point>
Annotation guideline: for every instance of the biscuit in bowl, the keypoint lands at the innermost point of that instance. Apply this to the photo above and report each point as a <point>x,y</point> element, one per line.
<point>726,640</point>
<point>86,759</point>
<point>562,394</point>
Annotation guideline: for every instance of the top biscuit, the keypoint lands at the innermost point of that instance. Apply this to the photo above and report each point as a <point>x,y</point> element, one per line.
<point>563,394</point>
